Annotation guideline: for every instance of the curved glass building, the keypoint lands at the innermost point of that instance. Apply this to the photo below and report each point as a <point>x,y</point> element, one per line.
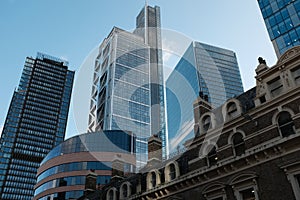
<point>62,173</point>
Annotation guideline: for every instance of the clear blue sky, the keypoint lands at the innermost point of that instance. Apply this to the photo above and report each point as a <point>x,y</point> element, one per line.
<point>70,29</point>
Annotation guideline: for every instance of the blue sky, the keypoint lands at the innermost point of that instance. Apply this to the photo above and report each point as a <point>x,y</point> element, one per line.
<point>70,29</point>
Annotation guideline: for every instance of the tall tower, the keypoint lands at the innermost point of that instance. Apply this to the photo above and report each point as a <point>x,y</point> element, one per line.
<point>148,26</point>
<point>127,91</point>
<point>35,123</point>
<point>205,70</point>
<point>282,19</point>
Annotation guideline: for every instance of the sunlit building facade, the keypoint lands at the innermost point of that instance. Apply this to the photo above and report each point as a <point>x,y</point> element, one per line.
<point>127,90</point>
<point>35,123</point>
<point>205,70</point>
<point>282,19</point>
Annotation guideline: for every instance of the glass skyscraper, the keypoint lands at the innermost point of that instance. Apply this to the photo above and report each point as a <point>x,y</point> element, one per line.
<point>282,19</point>
<point>35,123</point>
<point>205,69</point>
<point>127,90</point>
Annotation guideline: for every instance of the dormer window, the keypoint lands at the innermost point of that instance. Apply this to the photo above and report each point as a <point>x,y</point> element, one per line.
<point>153,179</point>
<point>206,123</point>
<point>232,110</point>
<point>172,171</point>
<point>275,86</point>
<point>125,191</point>
<point>111,195</point>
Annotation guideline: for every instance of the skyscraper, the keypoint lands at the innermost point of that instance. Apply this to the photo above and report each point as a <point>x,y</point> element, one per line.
<point>148,26</point>
<point>127,91</point>
<point>35,123</point>
<point>282,19</point>
<point>211,71</point>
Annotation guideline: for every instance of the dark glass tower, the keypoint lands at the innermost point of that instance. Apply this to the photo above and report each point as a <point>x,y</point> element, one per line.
<point>282,19</point>
<point>205,69</point>
<point>35,123</point>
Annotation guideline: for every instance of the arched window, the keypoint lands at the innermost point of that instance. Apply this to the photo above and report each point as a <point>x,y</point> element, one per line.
<point>212,157</point>
<point>232,110</point>
<point>206,123</point>
<point>172,171</point>
<point>238,144</point>
<point>125,190</point>
<point>111,195</point>
<point>153,179</point>
<point>286,124</point>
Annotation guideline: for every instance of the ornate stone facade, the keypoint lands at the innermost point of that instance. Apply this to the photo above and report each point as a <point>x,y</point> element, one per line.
<point>249,148</point>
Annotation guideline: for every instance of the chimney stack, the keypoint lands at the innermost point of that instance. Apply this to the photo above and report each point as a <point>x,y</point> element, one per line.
<point>90,182</point>
<point>154,148</point>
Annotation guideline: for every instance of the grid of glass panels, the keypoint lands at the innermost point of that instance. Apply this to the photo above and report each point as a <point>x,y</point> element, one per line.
<point>64,195</point>
<point>35,123</point>
<point>74,166</point>
<point>282,19</point>
<point>69,181</point>
<point>131,94</point>
<point>206,68</point>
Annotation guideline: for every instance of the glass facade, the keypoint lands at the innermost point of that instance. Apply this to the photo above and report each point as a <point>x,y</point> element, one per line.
<point>282,19</point>
<point>203,68</point>
<point>35,123</point>
<point>148,26</point>
<point>53,177</point>
<point>128,89</point>
<point>122,92</point>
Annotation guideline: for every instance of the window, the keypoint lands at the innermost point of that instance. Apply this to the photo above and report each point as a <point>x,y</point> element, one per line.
<point>172,171</point>
<point>238,144</point>
<point>248,194</point>
<point>124,191</point>
<point>245,187</point>
<point>286,124</point>
<point>212,157</point>
<point>111,195</point>
<point>206,122</point>
<point>153,179</point>
<point>232,110</point>
<point>275,86</point>
<point>296,75</point>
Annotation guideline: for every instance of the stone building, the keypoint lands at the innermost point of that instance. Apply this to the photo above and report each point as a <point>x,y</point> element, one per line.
<point>246,149</point>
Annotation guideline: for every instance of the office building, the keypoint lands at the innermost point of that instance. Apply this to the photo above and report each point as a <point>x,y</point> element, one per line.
<point>127,90</point>
<point>62,174</point>
<point>248,149</point>
<point>282,19</point>
<point>211,71</point>
<point>35,123</point>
